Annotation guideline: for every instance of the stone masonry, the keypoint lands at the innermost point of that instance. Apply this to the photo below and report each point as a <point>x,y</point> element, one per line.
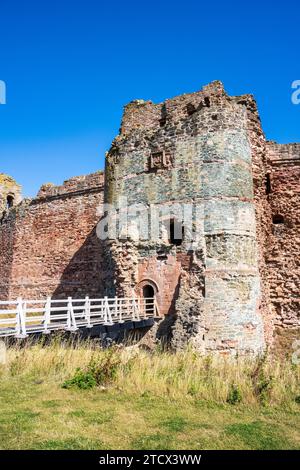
<point>211,227</point>
<point>49,245</point>
<point>211,288</point>
<point>10,193</point>
<point>283,255</point>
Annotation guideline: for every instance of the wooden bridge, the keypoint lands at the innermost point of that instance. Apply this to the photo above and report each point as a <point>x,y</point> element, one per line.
<point>21,318</point>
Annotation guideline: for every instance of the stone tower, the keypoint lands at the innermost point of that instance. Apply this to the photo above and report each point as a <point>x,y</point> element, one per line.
<point>187,163</point>
<point>10,193</point>
<point>203,214</point>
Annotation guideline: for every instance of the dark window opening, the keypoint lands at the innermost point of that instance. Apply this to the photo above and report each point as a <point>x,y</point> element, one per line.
<point>148,291</point>
<point>148,294</point>
<point>207,101</point>
<point>268,184</point>
<point>190,109</point>
<point>278,219</point>
<point>163,118</point>
<point>9,202</point>
<point>175,231</point>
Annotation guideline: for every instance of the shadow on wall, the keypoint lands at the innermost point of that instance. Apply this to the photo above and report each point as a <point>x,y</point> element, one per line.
<point>165,329</point>
<point>7,241</point>
<point>84,274</point>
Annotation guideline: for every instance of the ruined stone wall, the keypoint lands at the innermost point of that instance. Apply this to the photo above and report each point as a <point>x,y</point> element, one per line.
<point>201,158</point>
<point>263,213</point>
<point>48,245</point>
<point>283,256</point>
<point>7,234</point>
<point>193,148</point>
<point>10,192</point>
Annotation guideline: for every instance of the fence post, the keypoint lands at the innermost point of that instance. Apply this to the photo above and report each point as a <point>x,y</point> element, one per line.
<point>128,310</point>
<point>47,316</point>
<point>71,321</point>
<point>68,327</point>
<point>107,312</point>
<point>136,309</point>
<point>141,309</point>
<point>104,310</point>
<point>18,319</point>
<point>119,305</point>
<point>21,320</point>
<point>87,312</point>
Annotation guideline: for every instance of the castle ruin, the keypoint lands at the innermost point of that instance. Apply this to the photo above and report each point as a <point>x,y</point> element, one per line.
<point>223,263</point>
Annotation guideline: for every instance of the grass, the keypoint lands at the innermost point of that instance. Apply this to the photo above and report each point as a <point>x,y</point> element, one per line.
<point>154,401</point>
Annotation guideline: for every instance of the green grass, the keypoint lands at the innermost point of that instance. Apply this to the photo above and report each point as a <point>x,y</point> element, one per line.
<point>148,405</point>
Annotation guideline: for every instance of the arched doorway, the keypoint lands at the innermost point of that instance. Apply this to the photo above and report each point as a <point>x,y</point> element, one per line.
<point>147,291</point>
<point>148,296</point>
<point>9,201</point>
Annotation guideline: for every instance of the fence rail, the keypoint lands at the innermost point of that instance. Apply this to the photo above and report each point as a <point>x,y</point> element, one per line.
<point>23,317</point>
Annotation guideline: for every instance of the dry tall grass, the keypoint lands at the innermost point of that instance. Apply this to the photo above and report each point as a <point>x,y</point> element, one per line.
<point>182,375</point>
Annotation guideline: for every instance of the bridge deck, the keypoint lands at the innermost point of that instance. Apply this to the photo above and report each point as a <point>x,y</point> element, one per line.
<point>24,317</point>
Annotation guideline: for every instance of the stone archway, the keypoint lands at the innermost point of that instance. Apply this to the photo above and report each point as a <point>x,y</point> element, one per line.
<point>147,289</point>
<point>146,282</point>
<point>10,199</point>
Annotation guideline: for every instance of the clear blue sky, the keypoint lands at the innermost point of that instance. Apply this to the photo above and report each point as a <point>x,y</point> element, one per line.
<point>70,66</point>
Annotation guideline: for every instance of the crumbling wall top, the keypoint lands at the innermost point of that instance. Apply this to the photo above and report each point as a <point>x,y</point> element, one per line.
<point>7,180</point>
<point>140,114</point>
<point>10,192</point>
<point>146,115</point>
<point>73,185</point>
<point>284,154</point>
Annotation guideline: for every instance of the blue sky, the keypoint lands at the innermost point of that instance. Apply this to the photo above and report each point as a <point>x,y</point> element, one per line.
<point>70,66</point>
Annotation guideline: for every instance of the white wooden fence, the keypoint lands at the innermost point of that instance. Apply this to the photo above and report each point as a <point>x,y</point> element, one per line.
<point>23,317</point>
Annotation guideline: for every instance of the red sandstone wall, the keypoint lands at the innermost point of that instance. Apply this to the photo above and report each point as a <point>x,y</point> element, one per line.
<point>283,256</point>
<point>48,245</point>
<point>263,216</point>
<point>7,234</point>
<point>165,278</point>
